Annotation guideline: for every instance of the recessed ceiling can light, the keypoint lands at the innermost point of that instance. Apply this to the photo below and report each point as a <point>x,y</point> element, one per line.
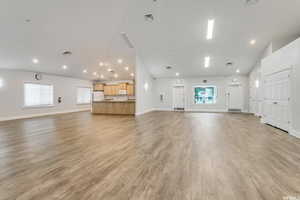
<point>252,42</point>
<point>85,71</point>
<point>116,75</point>
<point>238,71</point>
<point>102,76</point>
<point>126,68</point>
<point>1,83</point>
<point>206,61</point>
<point>65,67</point>
<point>120,61</point>
<point>132,74</point>
<point>210,29</point>
<point>95,73</point>
<point>109,70</point>
<point>101,64</point>
<point>35,61</point>
<point>177,74</point>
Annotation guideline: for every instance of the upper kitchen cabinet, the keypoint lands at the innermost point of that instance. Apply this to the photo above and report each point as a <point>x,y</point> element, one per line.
<point>98,87</point>
<point>130,90</point>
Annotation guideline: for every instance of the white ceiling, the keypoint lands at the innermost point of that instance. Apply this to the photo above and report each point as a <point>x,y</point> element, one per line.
<point>177,37</point>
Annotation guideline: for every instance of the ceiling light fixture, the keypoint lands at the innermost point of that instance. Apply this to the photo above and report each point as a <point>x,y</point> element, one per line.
<point>35,61</point>
<point>237,71</point>
<point>126,68</point>
<point>101,64</point>
<point>120,61</point>
<point>102,76</point>
<point>132,74</point>
<point>1,83</point>
<point>177,74</point>
<point>253,42</point>
<point>116,75</point>
<point>109,70</point>
<point>207,62</point>
<point>210,29</point>
<point>95,73</point>
<point>85,71</point>
<point>65,67</point>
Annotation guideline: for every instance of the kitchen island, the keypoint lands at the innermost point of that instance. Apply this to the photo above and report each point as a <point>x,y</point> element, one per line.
<point>113,107</point>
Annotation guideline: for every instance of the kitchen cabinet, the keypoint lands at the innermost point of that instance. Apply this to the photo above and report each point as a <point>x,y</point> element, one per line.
<point>123,86</point>
<point>98,87</point>
<point>111,90</point>
<point>130,90</point>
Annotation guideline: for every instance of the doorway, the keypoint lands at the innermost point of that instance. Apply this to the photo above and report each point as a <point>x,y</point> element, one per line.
<point>178,98</point>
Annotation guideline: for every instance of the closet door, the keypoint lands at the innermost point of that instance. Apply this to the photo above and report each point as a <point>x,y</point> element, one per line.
<point>276,100</point>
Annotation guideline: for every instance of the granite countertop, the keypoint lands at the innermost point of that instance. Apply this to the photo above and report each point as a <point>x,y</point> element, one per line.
<point>113,101</point>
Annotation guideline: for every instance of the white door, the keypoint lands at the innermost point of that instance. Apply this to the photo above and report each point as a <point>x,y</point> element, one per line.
<point>276,100</point>
<point>235,101</point>
<point>178,97</point>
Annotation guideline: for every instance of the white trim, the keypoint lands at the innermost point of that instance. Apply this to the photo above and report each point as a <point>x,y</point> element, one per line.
<point>43,114</point>
<point>144,112</point>
<point>163,109</point>
<point>294,133</point>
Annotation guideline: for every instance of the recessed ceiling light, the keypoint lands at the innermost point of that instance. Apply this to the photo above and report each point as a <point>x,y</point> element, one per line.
<point>120,61</point>
<point>253,42</point>
<point>210,29</point>
<point>237,71</point>
<point>1,83</point>
<point>85,71</point>
<point>102,76</point>
<point>207,62</point>
<point>95,73</point>
<point>109,70</point>
<point>101,64</point>
<point>132,74</point>
<point>35,61</point>
<point>126,68</point>
<point>177,74</point>
<point>116,75</point>
<point>65,67</point>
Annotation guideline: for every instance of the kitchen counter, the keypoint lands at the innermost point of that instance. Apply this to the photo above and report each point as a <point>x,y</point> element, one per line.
<point>113,107</point>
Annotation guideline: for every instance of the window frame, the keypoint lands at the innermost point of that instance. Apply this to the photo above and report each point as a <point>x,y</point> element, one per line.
<point>38,106</point>
<point>205,86</point>
<point>91,95</point>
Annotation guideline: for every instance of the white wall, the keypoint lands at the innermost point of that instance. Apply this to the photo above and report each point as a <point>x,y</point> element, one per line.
<point>164,86</point>
<point>12,94</point>
<point>144,96</point>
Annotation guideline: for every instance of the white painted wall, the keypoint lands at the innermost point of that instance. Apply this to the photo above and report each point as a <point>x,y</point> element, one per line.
<point>144,88</point>
<point>164,86</point>
<point>12,94</point>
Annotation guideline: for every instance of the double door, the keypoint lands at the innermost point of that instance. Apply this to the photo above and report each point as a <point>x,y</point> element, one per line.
<point>276,105</point>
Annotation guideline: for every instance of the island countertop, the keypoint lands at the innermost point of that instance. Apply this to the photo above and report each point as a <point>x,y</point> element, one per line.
<point>114,107</point>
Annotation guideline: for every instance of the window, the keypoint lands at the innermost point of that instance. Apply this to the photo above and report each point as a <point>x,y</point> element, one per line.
<point>83,95</point>
<point>38,95</point>
<point>205,94</point>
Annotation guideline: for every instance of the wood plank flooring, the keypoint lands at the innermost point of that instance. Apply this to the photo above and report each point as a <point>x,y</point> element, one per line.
<point>158,156</point>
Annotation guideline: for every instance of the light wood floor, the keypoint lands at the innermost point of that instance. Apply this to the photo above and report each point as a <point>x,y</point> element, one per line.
<point>158,156</point>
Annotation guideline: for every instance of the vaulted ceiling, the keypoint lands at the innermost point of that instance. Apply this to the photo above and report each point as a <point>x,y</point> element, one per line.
<point>91,30</point>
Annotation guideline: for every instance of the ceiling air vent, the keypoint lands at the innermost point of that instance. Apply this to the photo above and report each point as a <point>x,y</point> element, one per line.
<point>149,17</point>
<point>168,67</point>
<point>66,53</point>
<point>251,2</point>
<point>229,64</point>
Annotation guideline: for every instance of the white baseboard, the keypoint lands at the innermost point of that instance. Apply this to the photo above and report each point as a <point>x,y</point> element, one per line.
<point>163,109</point>
<point>295,133</point>
<point>144,112</point>
<point>42,114</point>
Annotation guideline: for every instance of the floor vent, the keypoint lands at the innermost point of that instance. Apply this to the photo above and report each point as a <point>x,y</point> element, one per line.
<point>235,110</point>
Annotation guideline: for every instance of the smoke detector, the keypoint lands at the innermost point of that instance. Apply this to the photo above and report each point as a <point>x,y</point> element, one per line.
<point>149,17</point>
<point>251,2</point>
